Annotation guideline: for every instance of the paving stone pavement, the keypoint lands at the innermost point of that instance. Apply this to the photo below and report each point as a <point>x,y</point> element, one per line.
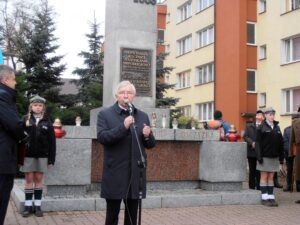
<point>288,213</point>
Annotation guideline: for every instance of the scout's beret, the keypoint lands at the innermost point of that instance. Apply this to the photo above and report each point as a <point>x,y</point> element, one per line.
<point>37,99</point>
<point>269,110</point>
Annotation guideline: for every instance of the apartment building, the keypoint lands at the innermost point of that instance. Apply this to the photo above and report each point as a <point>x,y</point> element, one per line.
<point>211,44</point>
<point>278,67</point>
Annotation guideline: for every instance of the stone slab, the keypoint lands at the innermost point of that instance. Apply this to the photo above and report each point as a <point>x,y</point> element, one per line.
<point>181,201</point>
<point>221,186</point>
<point>223,161</point>
<point>161,134</point>
<point>73,163</point>
<point>152,202</point>
<point>159,113</point>
<point>172,185</point>
<point>241,197</point>
<point>69,204</point>
<point>155,199</point>
<point>100,204</point>
<point>80,132</point>
<point>65,190</point>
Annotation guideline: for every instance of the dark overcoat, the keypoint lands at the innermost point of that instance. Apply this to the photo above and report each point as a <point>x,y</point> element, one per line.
<point>249,137</point>
<point>10,130</point>
<point>42,142</point>
<point>121,173</point>
<point>295,139</point>
<point>269,142</point>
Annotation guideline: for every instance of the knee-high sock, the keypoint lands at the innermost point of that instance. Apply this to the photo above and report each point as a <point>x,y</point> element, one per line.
<point>28,196</point>
<point>38,192</point>
<point>264,191</point>
<point>271,190</point>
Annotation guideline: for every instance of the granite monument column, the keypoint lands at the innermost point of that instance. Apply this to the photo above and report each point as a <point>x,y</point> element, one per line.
<point>130,49</point>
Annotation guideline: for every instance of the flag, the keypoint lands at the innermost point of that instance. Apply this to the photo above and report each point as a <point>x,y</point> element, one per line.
<point>1,57</point>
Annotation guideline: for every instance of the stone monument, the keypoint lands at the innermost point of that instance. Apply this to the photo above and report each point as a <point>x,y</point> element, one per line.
<point>130,54</point>
<point>130,49</point>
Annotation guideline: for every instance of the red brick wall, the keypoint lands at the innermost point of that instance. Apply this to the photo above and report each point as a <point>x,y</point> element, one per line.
<point>168,161</point>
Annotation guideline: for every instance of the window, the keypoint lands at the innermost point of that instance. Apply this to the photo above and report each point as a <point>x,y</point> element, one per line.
<point>291,100</point>
<point>205,36</point>
<point>184,45</point>
<point>160,36</point>
<point>205,111</point>
<point>203,4</point>
<point>185,110</point>
<point>289,5</point>
<point>183,80</point>
<point>205,73</point>
<point>262,6</point>
<point>184,11</point>
<point>262,100</point>
<point>291,50</point>
<point>263,52</point>
<point>251,33</point>
<point>251,86</point>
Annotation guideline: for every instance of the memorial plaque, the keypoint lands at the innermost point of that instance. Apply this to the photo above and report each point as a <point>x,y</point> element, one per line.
<point>136,67</point>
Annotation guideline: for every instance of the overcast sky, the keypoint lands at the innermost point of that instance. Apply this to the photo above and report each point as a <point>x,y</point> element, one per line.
<point>72,25</point>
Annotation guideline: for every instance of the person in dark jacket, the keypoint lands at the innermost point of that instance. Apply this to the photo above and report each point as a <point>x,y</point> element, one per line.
<point>39,154</point>
<point>11,132</point>
<point>294,149</point>
<point>269,150</point>
<point>122,165</point>
<point>249,137</point>
<point>289,159</point>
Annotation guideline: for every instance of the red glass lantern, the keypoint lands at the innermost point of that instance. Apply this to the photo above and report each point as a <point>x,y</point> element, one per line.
<point>232,135</point>
<point>58,131</point>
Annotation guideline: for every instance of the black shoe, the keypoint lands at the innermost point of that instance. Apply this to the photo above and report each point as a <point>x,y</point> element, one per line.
<point>273,203</point>
<point>297,202</point>
<point>287,189</point>
<point>38,211</point>
<point>27,211</point>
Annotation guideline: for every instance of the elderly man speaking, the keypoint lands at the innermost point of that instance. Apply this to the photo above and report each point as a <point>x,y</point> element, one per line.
<point>124,132</point>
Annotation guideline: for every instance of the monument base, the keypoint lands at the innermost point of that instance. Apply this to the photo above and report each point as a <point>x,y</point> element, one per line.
<point>221,186</point>
<point>223,165</point>
<point>156,198</point>
<point>65,190</point>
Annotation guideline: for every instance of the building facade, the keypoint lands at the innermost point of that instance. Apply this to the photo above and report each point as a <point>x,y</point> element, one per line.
<point>278,68</point>
<point>211,44</point>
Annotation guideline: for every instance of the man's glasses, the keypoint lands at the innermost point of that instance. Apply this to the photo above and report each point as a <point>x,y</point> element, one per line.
<point>125,93</point>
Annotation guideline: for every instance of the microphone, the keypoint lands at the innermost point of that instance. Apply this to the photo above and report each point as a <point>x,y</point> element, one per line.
<point>129,105</point>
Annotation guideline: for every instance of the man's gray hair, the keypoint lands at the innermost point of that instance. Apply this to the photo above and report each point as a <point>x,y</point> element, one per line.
<point>125,83</point>
<point>5,71</point>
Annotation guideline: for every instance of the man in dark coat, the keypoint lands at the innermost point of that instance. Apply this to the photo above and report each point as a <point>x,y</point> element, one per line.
<point>10,133</point>
<point>123,164</point>
<point>294,149</point>
<point>249,137</point>
<point>289,159</point>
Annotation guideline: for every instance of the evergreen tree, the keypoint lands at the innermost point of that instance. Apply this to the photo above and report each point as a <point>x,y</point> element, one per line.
<point>22,88</point>
<point>91,77</point>
<point>161,86</point>
<point>37,49</point>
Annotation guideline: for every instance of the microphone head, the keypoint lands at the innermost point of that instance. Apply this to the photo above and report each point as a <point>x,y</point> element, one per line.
<point>126,101</point>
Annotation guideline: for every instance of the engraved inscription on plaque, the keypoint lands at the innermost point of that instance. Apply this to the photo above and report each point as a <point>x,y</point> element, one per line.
<point>137,68</point>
